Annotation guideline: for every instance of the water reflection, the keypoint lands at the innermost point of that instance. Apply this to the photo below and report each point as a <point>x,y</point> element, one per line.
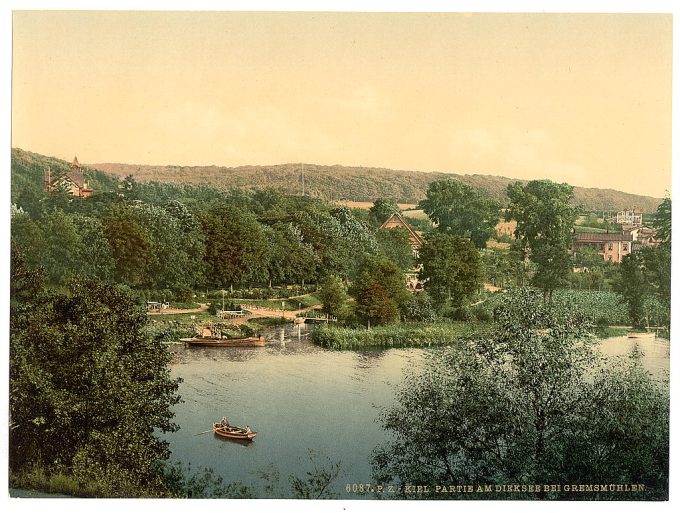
<point>298,396</point>
<point>655,352</point>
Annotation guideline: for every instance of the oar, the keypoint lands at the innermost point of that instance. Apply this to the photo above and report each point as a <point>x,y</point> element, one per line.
<point>204,432</point>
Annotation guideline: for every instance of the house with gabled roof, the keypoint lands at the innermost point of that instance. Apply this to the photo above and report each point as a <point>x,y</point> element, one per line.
<point>612,247</point>
<point>396,220</point>
<point>73,181</point>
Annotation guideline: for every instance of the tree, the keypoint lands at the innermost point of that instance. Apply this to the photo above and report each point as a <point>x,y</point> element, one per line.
<point>544,224</point>
<point>498,267</point>
<point>88,386</point>
<point>291,259</point>
<point>63,245</point>
<point>130,244</point>
<point>333,296</point>
<point>588,267</point>
<point>338,238</point>
<point>94,257</point>
<point>662,221</point>
<point>451,268</point>
<point>381,210</point>
<point>379,290</point>
<point>458,209</point>
<point>176,246</point>
<point>395,244</point>
<point>641,275</point>
<point>530,403</point>
<point>27,234</point>
<point>236,248</point>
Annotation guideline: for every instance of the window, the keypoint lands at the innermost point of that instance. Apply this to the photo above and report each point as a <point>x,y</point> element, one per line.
<point>611,246</point>
<point>625,246</point>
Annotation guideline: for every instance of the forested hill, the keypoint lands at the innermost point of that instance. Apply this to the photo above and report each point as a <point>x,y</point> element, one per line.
<point>357,183</point>
<point>327,182</point>
<point>27,175</point>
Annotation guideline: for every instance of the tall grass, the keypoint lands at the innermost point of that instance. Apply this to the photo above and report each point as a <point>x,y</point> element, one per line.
<point>37,478</point>
<point>396,335</point>
<point>603,308</point>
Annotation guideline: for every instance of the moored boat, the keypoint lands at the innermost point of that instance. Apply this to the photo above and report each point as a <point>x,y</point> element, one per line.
<point>225,342</point>
<point>235,432</point>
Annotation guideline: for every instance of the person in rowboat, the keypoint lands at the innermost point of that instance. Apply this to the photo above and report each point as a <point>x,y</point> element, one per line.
<point>224,423</point>
<point>248,430</point>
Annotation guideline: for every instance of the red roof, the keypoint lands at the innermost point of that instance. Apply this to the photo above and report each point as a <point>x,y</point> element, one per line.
<point>603,237</point>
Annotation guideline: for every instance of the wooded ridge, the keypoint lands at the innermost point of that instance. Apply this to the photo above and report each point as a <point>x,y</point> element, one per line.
<point>329,182</point>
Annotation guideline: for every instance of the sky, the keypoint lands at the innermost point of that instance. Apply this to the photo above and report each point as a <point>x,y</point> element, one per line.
<point>577,98</point>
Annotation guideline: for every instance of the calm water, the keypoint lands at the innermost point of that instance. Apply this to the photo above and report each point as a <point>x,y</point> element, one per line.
<point>299,397</point>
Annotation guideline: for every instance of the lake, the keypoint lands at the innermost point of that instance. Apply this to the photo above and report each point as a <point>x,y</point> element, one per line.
<point>300,397</point>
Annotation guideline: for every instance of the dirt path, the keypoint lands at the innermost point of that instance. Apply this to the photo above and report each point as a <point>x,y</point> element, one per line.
<point>263,311</point>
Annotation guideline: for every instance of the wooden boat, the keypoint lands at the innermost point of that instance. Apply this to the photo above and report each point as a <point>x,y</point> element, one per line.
<point>642,335</point>
<point>224,342</point>
<point>234,432</point>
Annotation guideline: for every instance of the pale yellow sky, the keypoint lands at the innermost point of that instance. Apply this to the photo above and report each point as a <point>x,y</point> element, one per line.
<point>584,99</point>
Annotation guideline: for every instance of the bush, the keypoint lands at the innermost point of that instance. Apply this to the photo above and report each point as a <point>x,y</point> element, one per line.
<point>183,295</point>
<point>419,307</point>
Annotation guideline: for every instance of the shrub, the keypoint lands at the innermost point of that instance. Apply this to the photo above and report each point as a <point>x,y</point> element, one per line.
<point>419,307</point>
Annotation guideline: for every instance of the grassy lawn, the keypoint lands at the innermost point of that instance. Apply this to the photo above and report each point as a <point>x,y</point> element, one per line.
<point>589,229</point>
<point>184,317</point>
<point>610,331</point>
<point>289,304</point>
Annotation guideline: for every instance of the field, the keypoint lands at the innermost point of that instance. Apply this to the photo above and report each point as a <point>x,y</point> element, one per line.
<point>368,204</point>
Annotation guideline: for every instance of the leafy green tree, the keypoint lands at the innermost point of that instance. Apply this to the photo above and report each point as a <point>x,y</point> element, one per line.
<point>63,245</point>
<point>394,243</point>
<point>130,244</point>
<point>379,290</point>
<point>355,232</point>
<point>590,266</point>
<point>94,256</point>
<point>662,221</point>
<point>176,246</point>
<point>588,259</point>
<point>631,286</point>
<point>27,234</point>
<point>451,268</point>
<point>544,223</point>
<point>291,259</point>
<point>88,386</point>
<point>530,403</point>
<point>642,274</point>
<point>236,249</point>
<point>459,209</point>
<point>498,267</point>
<point>338,239</point>
<point>381,210</point>
<point>333,296</point>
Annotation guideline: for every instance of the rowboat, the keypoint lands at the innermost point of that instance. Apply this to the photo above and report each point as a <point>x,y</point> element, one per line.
<point>224,342</point>
<point>642,335</point>
<point>235,432</point>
